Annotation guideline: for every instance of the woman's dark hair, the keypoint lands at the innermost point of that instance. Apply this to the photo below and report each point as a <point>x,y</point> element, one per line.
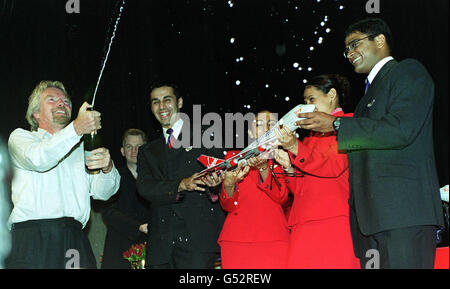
<point>374,27</point>
<point>340,83</point>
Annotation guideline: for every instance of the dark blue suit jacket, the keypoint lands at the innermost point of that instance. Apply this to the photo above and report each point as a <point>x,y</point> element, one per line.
<point>393,179</point>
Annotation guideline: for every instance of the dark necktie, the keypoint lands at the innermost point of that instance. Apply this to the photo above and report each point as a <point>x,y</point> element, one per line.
<point>367,85</point>
<point>171,138</point>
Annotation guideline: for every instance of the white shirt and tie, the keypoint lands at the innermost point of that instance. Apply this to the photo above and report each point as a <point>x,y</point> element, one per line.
<point>375,70</point>
<point>49,177</point>
<point>176,130</point>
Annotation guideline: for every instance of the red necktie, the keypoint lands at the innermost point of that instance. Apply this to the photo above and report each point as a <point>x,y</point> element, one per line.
<point>171,138</point>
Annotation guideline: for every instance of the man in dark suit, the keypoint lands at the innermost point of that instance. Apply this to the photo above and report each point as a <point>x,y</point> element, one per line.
<point>185,220</point>
<point>394,192</point>
<point>127,213</point>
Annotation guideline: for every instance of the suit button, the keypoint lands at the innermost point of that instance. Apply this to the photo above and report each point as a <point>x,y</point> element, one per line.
<point>302,160</point>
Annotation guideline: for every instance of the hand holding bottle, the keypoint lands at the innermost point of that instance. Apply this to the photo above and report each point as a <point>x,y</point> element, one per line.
<point>87,121</point>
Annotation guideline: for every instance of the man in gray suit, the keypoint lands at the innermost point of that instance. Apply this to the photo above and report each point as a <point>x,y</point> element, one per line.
<point>395,206</point>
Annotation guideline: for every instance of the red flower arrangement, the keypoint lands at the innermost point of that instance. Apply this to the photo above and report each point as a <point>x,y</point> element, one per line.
<point>136,256</point>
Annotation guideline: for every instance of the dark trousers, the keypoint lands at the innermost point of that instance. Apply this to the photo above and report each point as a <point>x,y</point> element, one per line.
<point>50,244</point>
<point>185,258</point>
<point>182,254</point>
<point>403,248</point>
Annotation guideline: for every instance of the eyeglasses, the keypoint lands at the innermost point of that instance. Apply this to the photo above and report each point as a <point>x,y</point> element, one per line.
<point>355,44</point>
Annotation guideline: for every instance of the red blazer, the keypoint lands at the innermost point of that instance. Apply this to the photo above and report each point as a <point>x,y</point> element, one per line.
<point>254,212</point>
<point>323,190</point>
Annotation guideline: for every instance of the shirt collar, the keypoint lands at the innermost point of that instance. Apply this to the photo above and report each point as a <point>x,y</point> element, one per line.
<point>176,129</point>
<point>377,68</point>
<point>42,133</point>
<point>339,109</point>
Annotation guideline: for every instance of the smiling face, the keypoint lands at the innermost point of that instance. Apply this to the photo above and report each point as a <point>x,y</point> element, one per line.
<point>365,53</point>
<point>54,111</point>
<point>165,106</point>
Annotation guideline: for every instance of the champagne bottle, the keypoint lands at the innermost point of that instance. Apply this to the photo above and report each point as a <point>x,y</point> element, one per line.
<point>92,141</point>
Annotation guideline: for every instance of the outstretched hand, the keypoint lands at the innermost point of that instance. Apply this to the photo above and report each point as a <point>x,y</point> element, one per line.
<point>287,139</point>
<point>235,176</point>
<point>316,121</point>
<point>213,179</point>
<point>191,184</point>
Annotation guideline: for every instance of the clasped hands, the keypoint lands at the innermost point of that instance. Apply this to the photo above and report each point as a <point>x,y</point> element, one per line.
<point>196,183</point>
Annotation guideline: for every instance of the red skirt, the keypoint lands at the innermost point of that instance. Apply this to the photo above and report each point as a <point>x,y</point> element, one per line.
<point>262,255</point>
<point>322,244</point>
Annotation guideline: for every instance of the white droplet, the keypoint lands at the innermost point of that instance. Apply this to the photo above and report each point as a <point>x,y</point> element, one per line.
<point>232,39</point>
<point>267,86</point>
<point>287,98</point>
<point>305,81</point>
<point>311,48</point>
<point>322,23</point>
<point>238,82</point>
<point>309,68</point>
<point>241,58</point>
<point>341,7</point>
<point>328,30</point>
<point>296,64</point>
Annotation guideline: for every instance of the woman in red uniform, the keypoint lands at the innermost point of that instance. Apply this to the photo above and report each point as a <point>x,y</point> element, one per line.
<point>319,218</point>
<point>255,233</point>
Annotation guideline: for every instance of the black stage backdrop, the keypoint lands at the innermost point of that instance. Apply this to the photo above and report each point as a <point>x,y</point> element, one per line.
<point>228,56</point>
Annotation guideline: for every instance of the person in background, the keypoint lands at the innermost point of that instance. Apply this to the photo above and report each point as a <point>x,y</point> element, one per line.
<point>395,207</point>
<point>319,218</point>
<point>127,217</point>
<point>255,233</point>
<point>51,189</point>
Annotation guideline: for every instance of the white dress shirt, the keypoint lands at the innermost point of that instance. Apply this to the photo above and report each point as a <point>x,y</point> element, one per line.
<point>176,129</point>
<point>377,68</point>
<point>50,180</point>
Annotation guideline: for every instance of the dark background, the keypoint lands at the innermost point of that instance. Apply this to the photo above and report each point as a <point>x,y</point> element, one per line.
<point>188,42</point>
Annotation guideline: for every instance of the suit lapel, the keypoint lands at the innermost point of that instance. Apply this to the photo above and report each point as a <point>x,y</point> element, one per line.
<point>369,98</point>
<point>160,151</point>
